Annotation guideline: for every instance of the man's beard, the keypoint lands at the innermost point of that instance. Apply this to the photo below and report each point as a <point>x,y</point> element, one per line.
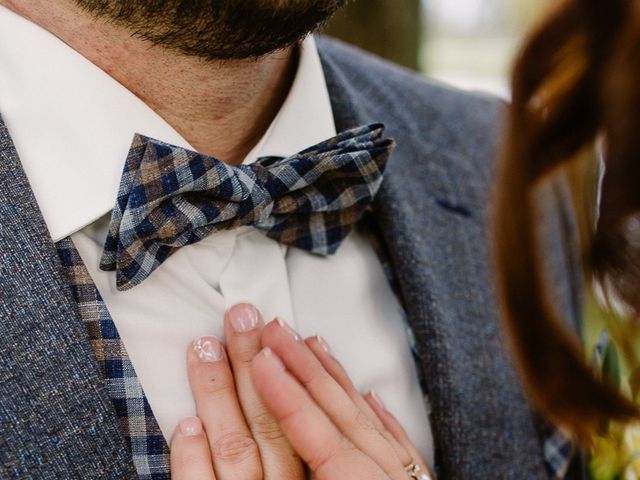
<point>217,29</point>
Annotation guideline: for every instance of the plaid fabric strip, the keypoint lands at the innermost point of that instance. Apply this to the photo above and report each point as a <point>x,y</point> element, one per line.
<point>149,449</point>
<point>170,197</point>
<point>558,454</point>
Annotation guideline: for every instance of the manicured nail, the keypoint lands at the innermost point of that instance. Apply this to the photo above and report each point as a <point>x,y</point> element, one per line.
<point>288,329</point>
<point>190,426</point>
<point>376,398</point>
<point>244,317</point>
<point>324,345</point>
<point>267,352</point>
<point>208,349</point>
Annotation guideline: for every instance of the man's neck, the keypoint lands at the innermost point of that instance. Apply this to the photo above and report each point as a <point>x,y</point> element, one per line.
<point>221,108</point>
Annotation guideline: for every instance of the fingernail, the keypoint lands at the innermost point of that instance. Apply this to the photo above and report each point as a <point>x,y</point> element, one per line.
<point>208,349</point>
<point>267,352</point>
<point>324,345</point>
<point>243,317</point>
<point>190,426</point>
<point>288,329</point>
<point>376,398</point>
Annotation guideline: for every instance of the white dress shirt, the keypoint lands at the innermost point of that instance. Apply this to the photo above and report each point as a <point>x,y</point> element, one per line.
<point>72,125</point>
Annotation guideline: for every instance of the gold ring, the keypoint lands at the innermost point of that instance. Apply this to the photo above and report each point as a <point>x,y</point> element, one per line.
<point>415,473</point>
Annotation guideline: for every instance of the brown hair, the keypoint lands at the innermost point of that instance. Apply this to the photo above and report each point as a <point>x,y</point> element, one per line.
<point>576,81</point>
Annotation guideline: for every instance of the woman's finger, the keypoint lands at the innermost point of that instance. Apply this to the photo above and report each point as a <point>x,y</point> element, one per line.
<point>393,426</point>
<point>243,328</point>
<point>331,398</point>
<point>190,455</point>
<point>315,438</point>
<point>233,449</point>
<point>323,353</point>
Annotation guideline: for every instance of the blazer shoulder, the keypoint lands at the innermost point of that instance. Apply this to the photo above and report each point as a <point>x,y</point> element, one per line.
<point>416,109</point>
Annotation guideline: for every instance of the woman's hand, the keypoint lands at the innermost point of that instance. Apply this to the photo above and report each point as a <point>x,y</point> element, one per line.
<point>234,436</point>
<point>337,432</point>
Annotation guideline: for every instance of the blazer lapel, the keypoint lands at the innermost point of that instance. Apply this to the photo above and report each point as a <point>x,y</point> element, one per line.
<point>57,420</point>
<point>431,213</point>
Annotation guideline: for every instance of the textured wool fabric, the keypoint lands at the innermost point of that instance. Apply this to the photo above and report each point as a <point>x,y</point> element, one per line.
<point>170,197</point>
<point>137,424</point>
<point>56,419</point>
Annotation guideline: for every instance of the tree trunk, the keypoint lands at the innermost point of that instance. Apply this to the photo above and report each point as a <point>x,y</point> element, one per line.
<point>389,28</point>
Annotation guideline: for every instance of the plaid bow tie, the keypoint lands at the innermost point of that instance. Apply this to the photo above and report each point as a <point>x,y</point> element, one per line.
<point>170,197</point>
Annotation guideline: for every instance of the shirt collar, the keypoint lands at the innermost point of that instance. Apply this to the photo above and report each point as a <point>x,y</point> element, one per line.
<point>72,124</point>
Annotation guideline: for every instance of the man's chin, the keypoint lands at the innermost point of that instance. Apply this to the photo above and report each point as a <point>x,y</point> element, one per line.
<point>217,29</point>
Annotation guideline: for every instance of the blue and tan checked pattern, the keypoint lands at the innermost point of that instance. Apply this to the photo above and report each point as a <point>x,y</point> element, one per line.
<point>170,197</point>
<point>558,454</point>
<point>135,418</point>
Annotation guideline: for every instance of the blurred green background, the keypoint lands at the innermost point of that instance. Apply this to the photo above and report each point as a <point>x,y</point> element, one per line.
<point>468,43</point>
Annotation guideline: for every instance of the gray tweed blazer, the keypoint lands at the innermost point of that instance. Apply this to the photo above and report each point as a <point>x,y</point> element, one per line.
<point>56,419</point>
